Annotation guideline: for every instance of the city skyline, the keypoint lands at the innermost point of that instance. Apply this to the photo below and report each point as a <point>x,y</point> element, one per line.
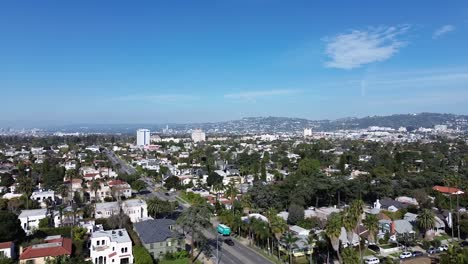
<point>208,61</point>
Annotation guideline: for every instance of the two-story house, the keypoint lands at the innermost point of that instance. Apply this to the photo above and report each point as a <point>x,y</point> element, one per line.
<point>136,209</point>
<point>159,237</point>
<point>30,219</point>
<point>112,246</point>
<point>54,246</point>
<point>106,210</point>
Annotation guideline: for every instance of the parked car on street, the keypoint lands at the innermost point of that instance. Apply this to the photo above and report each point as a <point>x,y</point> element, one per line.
<point>443,248</point>
<point>406,255</point>
<point>464,243</point>
<point>371,260</point>
<point>417,253</point>
<point>229,242</point>
<point>432,250</point>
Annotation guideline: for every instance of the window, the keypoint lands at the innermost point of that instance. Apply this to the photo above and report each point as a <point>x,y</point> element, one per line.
<point>97,242</point>
<point>103,242</point>
<point>151,246</point>
<point>169,243</point>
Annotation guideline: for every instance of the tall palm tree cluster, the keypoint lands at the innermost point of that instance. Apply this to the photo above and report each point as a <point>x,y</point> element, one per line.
<point>351,218</point>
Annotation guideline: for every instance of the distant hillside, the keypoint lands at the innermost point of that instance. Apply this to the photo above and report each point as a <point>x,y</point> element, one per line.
<point>286,124</point>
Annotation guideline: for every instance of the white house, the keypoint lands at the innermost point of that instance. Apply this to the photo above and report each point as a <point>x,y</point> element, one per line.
<point>112,246</point>
<point>42,195</point>
<point>106,210</point>
<point>120,188</point>
<point>30,219</point>
<point>7,250</point>
<point>136,209</point>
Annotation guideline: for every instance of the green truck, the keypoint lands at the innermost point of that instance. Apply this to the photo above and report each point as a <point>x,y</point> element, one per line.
<point>223,230</point>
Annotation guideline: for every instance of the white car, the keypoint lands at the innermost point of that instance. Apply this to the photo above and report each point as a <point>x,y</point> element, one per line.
<point>372,260</point>
<point>405,255</point>
<point>443,248</point>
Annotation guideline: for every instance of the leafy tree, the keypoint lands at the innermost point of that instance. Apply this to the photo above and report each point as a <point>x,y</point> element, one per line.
<point>350,256</point>
<point>158,207</point>
<point>44,223</point>
<point>172,182</point>
<point>26,186</point>
<point>6,180</point>
<point>11,227</point>
<point>142,255</point>
<point>296,214</point>
<point>263,171</point>
<point>95,187</point>
<point>214,179</point>
<point>192,221</point>
<point>231,192</point>
<point>139,185</point>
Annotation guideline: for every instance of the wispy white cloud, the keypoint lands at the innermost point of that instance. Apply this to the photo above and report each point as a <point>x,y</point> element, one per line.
<point>156,98</point>
<point>253,95</point>
<point>359,47</point>
<point>442,31</point>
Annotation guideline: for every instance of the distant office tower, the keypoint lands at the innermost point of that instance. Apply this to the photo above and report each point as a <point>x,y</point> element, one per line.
<point>198,135</point>
<point>307,132</point>
<point>143,137</point>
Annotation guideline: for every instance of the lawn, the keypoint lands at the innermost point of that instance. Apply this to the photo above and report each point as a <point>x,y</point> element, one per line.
<point>177,261</point>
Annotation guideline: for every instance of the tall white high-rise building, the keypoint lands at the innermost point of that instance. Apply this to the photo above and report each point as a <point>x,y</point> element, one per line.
<point>307,132</point>
<point>143,137</point>
<point>198,135</point>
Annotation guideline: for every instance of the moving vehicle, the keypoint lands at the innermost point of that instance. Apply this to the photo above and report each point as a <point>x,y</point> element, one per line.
<point>372,260</point>
<point>432,250</point>
<point>229,242</point>
<point>223,230</point>
<point>417,253</point>
<point>406,255</point>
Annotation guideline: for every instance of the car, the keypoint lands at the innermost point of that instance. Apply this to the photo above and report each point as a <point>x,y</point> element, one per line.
<point>372,260</point>
<point>374,248</point>
<point>464,243</point>
<point>417,253</point>
<point>432,250</point>
<point>443,248</point>
<point>229,242</point>
<point>406,255</point>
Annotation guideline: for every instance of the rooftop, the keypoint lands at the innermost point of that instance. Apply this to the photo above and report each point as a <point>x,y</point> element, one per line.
<point>116,235</point>
<point>52,248</point>
<point>107,206</point>
<point>34,212</point>
<point>156,230</point>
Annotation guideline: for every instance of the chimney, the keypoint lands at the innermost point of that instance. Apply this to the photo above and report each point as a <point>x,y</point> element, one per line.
<point>392,228</point>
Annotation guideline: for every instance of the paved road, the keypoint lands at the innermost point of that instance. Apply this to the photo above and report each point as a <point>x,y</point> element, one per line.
<point>236,254</point>
<point>124,166</point>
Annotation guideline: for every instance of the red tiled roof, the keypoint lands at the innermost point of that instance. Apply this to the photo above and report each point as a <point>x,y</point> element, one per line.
<point>445,189</point>
<point>116,182</point>
<point>6,245</point>
<point>65,248</point>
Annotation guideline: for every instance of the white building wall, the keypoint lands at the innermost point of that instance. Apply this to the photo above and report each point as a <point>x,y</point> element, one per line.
<point>143,137</point>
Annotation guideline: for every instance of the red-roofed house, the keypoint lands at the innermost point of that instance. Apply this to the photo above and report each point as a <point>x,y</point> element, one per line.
<point>447,190</point>
<point>120,188</point>
<point>7,250</point>
<point>54,246</point>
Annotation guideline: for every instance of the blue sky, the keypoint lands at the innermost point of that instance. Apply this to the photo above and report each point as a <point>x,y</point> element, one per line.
<point>64,62</point>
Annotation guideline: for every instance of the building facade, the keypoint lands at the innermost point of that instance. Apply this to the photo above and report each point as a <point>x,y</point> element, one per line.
<point>111,247</point>
<point>198,135</point>
<point>143,137</point>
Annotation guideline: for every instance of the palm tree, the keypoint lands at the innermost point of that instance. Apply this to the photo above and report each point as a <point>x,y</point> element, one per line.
<point>454,256</point>
<point>349,223</point>
<point>193,220</point>
<point>63,190</point>
<point>311,239</point>
<point>350,256</point>
<point>333,232</point>
<point>217,189</point>
<point>426,221</point>
<point>278,227</point>
<point>357,209</point>
<point>289,240</point>
<point>246,202</point>
<point>26,186</point>
<point>372,224</point>
<point>95,186</point>
<point>271,213</point>
<point>231,192</point>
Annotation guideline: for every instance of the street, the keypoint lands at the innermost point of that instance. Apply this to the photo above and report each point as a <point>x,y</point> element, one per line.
<point>236,254</point>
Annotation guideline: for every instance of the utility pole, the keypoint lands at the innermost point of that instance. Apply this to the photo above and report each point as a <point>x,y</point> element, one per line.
<point>217,250</point>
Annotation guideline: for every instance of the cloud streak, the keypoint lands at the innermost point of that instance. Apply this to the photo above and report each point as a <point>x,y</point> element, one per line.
<point>253,95</point>
<point>442,31</point>
<point>359,47</point>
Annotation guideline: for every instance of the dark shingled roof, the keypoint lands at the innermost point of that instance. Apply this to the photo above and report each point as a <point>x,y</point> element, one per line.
<point>157,230</point>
